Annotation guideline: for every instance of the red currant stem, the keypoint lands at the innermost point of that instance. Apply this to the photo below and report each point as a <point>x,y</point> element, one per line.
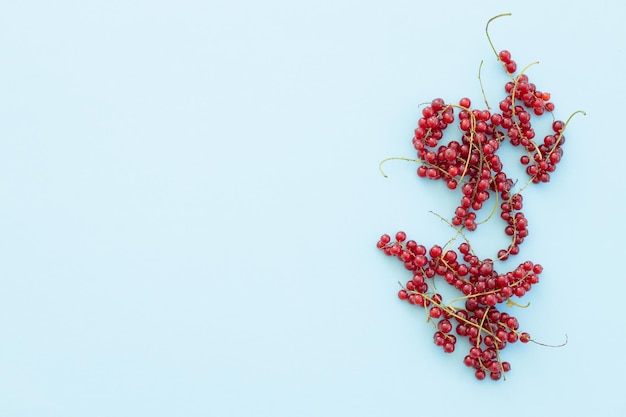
<point>528,66</point>
<point>511,303</point>
<point>443,261</point>
<point>491,43</point>
<point>465,297</point>
<point>500,362</point>
<point>480,81</point>
<point>493,210</point>
<point>458,106</point>
<point>497,351</point>
<point>519,333</point>
<point>530,181</point>
<point>459,231</point>
<point>563,130</point>
<point>447,245</point>
<point>481,327</point>
<point>554,346</point>
<point>518,282</point>
<point>471,139</point>
<point>400,158</point>
<point>397,158</point>
<point>537,149</point>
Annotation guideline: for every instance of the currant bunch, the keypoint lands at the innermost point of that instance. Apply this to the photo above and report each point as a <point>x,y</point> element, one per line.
<point>470,163</point>
<point>483,290</point>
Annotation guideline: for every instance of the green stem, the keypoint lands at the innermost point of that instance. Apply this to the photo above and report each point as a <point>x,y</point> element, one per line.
<point>491,43</point>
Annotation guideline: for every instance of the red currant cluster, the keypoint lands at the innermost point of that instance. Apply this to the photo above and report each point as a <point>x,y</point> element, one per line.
<point>483,289</point>
<point>472,164</point>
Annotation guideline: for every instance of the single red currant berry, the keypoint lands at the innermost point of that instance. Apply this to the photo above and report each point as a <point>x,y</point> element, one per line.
<point>403,295</point>
<point>432,122</point>
<point>489,354</point>
<point>437,104</point>
<point>400,236</point>
<point>420,261</point>
<point>512,323</point>
<point>396,249</point>
<point>494,366</point>
<point>445,326</point>
<point>464,248</point>
<point>524,337</point>
<point>435,251</point>
<point>505,56</point>
<point>435,312</point>
<point>475,352</point>
<point>465,102</point>
<point>558,126</point>
<point>450,256</point>
<point>495,375</point>
<point>450,154</point>
<point>511,67</point>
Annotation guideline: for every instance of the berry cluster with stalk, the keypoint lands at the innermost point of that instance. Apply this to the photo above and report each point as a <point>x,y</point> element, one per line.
<point>471,163</point>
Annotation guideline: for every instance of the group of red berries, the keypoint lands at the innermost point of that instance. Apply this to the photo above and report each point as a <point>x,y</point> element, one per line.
<point>473,165</point>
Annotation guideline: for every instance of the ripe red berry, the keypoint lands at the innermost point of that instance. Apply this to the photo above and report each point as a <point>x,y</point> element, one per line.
<point>435,251</point>
<point>435,312</point>
<point>445,326</point>
<point>511,67</point>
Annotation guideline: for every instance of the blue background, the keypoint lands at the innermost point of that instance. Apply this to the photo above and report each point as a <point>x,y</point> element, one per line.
<point>190,201</point>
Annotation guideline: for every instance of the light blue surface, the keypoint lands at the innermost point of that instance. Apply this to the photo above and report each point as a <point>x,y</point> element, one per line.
<point>190,201</point>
